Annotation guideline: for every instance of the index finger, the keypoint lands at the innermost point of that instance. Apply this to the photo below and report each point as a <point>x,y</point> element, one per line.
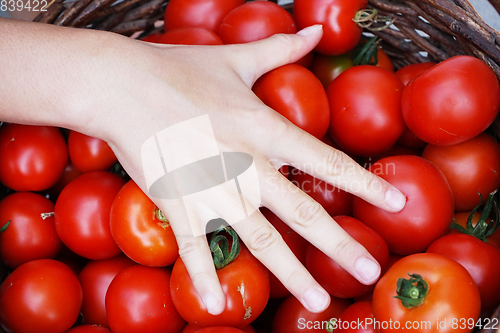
<point>303,151</point>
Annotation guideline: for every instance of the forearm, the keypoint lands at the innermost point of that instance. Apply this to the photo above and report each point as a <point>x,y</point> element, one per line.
<point>53,75</point>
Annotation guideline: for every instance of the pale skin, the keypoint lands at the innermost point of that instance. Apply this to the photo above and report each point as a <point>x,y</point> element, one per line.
<point>123,91</point>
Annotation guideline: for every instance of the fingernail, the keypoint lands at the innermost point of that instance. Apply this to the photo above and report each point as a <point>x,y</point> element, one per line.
<point>211,302</point>
<point>316,301</point>
<point>310,30</point>
<point>395,199</point>
<point>367,269</point>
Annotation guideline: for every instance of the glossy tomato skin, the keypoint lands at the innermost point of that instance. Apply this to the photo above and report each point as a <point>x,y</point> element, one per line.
<point>442,303</point>
<point>408,72</point>
<point>452,101</point>
<point>331,276</point>
<point>138,231</point>
<point>191,329</point>
<point>32,158</point>
<point>82,214</point>
<point>29,235</point>
<point>357,318</point>
<point>327,68</point>
<point>219,329</point>
<point>365,109</point>
<point>89,153</point>
<point>480,259</point>
<point>190,36</point>
<point>89,329</point>
<point>471,167</point>
<point>254,21</point>
<point>298,95</point>
<point>206,14</point>
<point>152,38</point>
<point>292,317</point>
<point>428,210</point>
<point>70,173</point>
<point>340,33</point>
<point>244,272</point>
<point>294,241</point>
<point>335,201</point>
<point>138,300</point>
<point>40,296</point>
<point>95,278</point>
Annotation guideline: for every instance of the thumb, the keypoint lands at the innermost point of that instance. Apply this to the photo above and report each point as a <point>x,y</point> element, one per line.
<point>252,60</point>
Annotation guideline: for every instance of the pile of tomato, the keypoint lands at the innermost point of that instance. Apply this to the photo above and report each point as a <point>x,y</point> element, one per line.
<point>83,249</point>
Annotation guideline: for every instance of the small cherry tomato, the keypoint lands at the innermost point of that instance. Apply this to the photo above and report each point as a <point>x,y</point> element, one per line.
<point>41,295</point>
<point>190,36</point>
<point>298,95</point>
<point>31,233</point>
<point>255,20</point>
<point>89,153</point>
<point>32,158</point>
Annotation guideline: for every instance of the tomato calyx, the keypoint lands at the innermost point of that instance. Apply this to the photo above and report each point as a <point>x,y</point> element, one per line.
<point>365,53</point>
<point>219,246</point>
<point>366,18</point>
<point>411,292</point>
<point>5,226</point>
<point>482,229</point>
<point>163,221</point>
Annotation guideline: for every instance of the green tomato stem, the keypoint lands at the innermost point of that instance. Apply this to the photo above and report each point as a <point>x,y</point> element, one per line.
<point>411,292</point>
<point>219,246</point>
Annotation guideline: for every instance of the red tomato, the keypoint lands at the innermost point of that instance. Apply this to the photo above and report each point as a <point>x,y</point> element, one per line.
<point>460,218</point>
<point>327,68</point>
<point>408,72</point>
<point>191,329</point>
<point>384,61</point>
<point>451,102</point>
<point>70,173</point>
<point>298,95</point>
<point>82,214</point>
<point>292,317</point>
<point>31,233</point>
<point>89,329</point>
<point>138,300</point>
<point>206,14</point>
<point>480,259</point>
<point>245,279</point>
<point>443,308</point>
<point>152,38</point>
<point>365,110</point>
<point>190,36</point>
<point>32,158</point>
<point>336,280</point>
<point>428,210</point>
<point>340,33</point>
<point>254,21</point>
<point>88,153</point>
<point>42,295</point>
<point>357,318</point>
<point>219,329</point>
<point>95,278</point>
<point>471,167</point>
<point>140,229</point>
<point>335,201</point>
<point>295,242</point>
<point>393,151</point>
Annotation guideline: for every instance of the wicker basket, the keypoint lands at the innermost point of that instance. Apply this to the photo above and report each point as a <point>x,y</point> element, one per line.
<point>423,30</point>
<point>452,27</point>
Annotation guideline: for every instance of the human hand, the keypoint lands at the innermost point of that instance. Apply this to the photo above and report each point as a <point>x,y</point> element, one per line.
<point>140,89</point>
